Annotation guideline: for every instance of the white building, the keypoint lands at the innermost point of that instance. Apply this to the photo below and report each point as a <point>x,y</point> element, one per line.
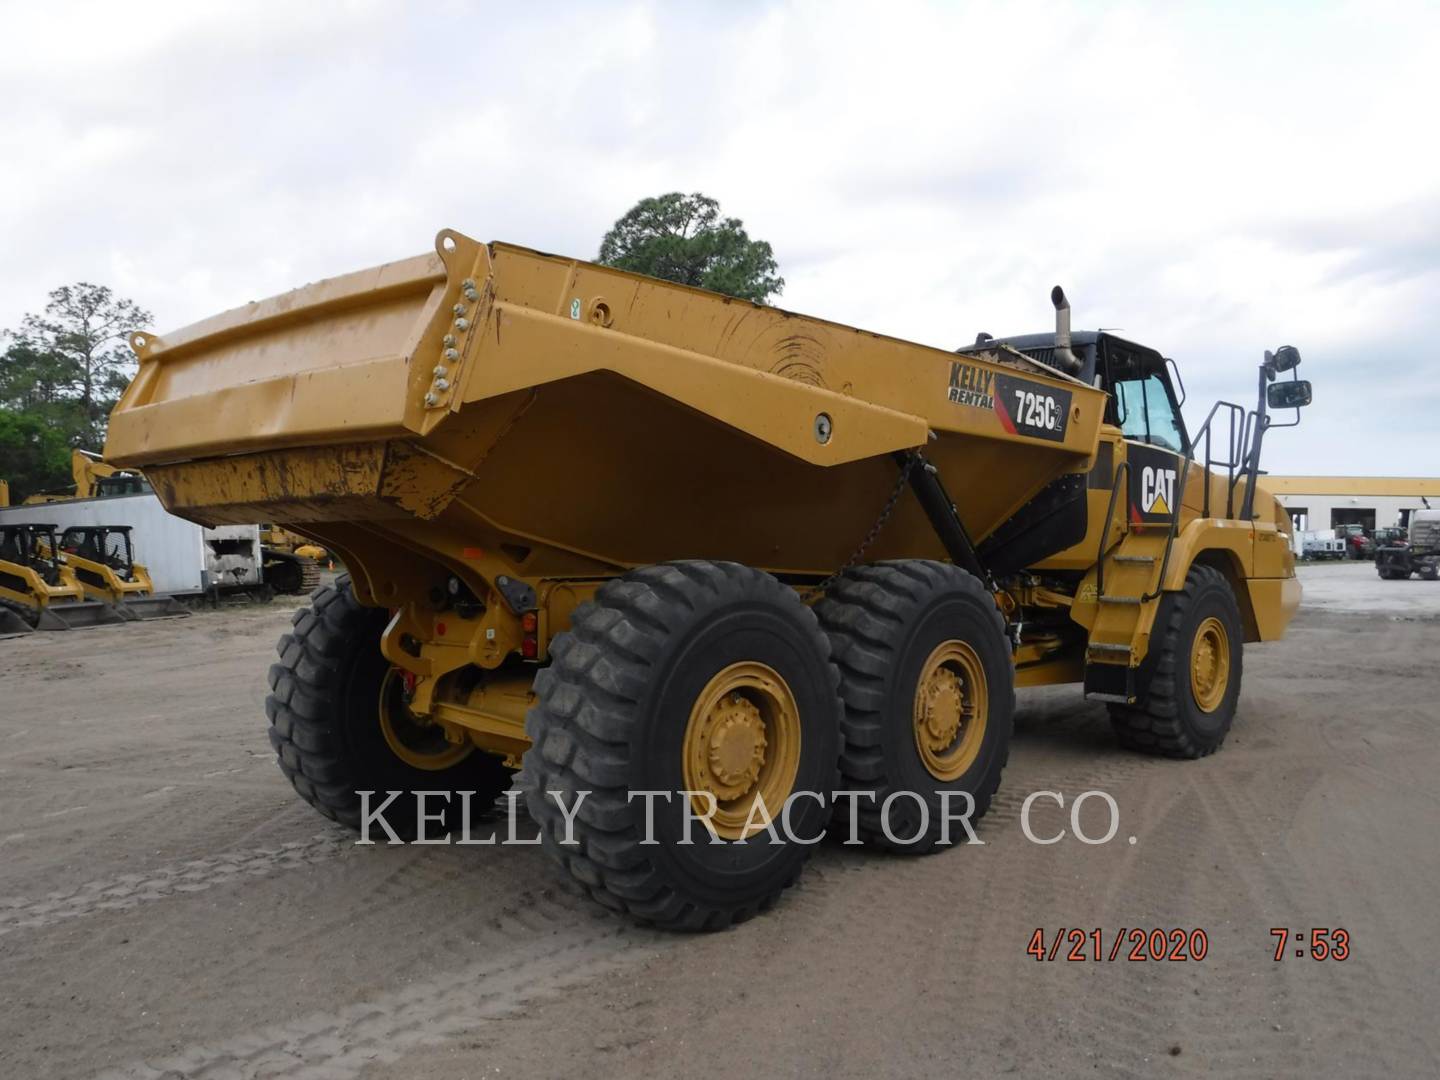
<point>1324,502</point>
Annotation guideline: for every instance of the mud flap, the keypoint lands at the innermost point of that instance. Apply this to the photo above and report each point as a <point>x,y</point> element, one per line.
<point>1110,682</point>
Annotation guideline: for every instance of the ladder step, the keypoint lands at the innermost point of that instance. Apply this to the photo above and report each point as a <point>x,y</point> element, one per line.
<point>1128,601</point>
<point>1106,647</point>
<point>1139,560</point>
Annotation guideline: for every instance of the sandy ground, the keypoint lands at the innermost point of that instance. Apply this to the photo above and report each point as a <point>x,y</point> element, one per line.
<point>169,908</point>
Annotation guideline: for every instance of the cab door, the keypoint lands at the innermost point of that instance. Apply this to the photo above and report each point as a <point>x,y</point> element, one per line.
<point>1155,444</point>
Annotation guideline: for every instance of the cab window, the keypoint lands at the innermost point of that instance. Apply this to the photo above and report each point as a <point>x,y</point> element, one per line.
<point>1147,414</point>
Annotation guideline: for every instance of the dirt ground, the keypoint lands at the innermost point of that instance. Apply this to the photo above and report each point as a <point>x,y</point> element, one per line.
<point>168,908</point>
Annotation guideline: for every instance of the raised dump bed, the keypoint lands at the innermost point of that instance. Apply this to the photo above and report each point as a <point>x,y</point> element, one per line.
<point>569,418</point>
<point>649,537</point>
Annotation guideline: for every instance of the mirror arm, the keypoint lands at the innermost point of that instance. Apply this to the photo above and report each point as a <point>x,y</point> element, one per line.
<point>1252,462</point>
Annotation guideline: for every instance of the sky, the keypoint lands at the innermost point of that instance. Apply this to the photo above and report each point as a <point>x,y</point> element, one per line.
<point>1211,179</point>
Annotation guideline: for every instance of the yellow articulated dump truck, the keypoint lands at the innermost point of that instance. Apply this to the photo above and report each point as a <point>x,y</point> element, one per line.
<point>699,564</point>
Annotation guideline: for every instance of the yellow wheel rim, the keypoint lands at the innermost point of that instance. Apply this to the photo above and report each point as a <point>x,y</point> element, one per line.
<point>952,702</point>
<point>1210,664</point>
<point>410,738</point>
<point>742,743</point>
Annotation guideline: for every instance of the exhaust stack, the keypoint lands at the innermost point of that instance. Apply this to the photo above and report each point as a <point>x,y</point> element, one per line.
<point>1065,358</point>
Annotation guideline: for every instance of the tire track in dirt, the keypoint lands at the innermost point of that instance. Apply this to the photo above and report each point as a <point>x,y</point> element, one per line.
<point>1270,892</point>
<point>990,884</point>
<point>125,891</point>
<point>1144,1003</point>
<point>1313,997</point>
<point>386,1027</point>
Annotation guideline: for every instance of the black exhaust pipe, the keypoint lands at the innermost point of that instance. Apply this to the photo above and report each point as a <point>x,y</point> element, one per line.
<point>1065,358</point>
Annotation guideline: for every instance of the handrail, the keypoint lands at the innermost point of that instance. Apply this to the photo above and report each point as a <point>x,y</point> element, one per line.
<point>1122,469</point>
<point>1235,459</point>
<point>1173,531</point>
<point>1235,455</point>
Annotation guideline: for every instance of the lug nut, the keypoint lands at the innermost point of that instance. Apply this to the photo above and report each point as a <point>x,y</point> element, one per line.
<point>431,399</point>
<point>452,355</point>
<point>459,309</point>
<point>442,384</point>
<point>440,371</point>
<point>462,324</point>
<point>449,341</point>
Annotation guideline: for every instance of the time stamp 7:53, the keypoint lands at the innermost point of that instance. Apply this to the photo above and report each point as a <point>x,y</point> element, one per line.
<point>1323,943</point>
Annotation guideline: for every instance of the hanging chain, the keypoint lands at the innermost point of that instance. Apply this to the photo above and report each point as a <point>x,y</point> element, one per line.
<point>911,460</point>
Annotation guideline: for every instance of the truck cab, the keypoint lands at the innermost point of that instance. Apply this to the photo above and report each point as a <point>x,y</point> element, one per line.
<point>1143,403</point>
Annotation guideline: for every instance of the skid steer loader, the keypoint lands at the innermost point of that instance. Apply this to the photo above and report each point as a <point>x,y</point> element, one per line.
<point>102,560</point>
<point>699,563</point>
<point>37,590</point>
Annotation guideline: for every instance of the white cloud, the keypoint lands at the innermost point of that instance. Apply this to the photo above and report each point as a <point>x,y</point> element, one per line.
<point>1214,180</point>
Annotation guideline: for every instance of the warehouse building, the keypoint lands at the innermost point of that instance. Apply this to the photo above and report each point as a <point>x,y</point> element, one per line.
<point>1326,502</point>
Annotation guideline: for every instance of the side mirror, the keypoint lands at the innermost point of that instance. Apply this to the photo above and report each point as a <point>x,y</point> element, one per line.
<point>1288,395</point>
<point>1284,358</point>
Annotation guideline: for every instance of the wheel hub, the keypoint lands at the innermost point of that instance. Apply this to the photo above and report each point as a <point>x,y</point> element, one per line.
<point>943,708</point>
<point>741,744</point>
<point>415,740</point>
<point>737,746</point>
<point>1210,665</point>
<point>951,710</point>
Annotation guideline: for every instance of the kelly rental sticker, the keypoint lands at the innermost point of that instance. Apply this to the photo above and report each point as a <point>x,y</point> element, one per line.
<point>1023,406</point>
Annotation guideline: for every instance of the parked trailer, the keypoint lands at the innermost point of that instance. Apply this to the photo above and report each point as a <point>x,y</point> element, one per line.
<point>184,559</point>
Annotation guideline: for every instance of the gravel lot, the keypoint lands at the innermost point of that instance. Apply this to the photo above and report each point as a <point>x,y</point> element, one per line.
<point>169,908</point>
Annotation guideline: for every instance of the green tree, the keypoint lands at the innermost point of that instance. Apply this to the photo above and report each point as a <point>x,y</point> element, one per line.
<point>60,375</point>
<point>79,347</point>
<point>34,454</point>
<point>683,238</point>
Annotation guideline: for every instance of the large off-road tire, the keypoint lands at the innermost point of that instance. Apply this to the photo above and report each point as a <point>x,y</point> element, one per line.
<point>665,683</point>
<point>1193,675</point>
<point>326,725</point>
<point>929,688</point>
